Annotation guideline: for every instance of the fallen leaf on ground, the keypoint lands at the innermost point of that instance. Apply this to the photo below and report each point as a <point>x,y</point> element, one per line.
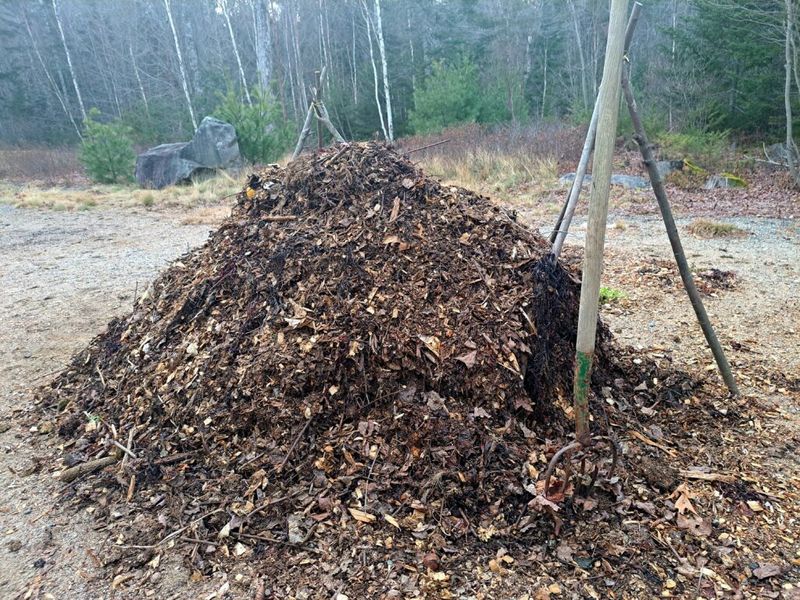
<point>360,515</point>
<point>767,570</point>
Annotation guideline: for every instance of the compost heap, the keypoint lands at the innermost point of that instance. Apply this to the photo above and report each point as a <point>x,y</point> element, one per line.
<point>356,344</point>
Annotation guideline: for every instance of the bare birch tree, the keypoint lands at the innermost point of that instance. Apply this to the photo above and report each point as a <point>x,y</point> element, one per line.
<point>263,43</point>
<point>184,82</point>
<point>790,66</point>
<point>223,4</point>
<point>69,61</point>
<point>581,55</point>
<point>387,97</point>
<point>138,78</point>
<point>367,20</point>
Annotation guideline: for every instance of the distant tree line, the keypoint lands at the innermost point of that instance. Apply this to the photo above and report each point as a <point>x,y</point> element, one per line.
<point>394,66</point>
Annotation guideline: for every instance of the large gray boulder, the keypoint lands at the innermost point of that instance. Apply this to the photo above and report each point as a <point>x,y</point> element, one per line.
<point>214,146</point>
<point>666,167</point>
<point>716,182</point>
<point>626,181</point>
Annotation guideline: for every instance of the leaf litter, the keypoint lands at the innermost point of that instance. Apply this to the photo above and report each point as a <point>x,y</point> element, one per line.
<point>356,382</point>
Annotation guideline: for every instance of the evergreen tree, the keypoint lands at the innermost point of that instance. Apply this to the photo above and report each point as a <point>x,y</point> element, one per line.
<point>106,151</point>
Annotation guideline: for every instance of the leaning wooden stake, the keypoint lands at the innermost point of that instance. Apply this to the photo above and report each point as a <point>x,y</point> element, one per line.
<point>608,99</point>
<point>674,238</point>
<point>559,233</point>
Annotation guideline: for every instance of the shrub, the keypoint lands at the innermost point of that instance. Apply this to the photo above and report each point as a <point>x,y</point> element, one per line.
<point>263,134</point>
<point>709,149</point>
<point>106,151</point>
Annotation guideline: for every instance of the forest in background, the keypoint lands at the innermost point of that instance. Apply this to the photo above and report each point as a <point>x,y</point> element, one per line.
<point>394,67</point>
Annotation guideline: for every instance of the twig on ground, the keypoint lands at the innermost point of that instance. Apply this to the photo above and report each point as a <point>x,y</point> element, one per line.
<point>125,449</point>
<point>175,533</point>
<point>278,218</point>
<point>174,458</point>
<point>294,444</point>
<point>649,442</point>
<point>709,476</point>
<point>91,466</point>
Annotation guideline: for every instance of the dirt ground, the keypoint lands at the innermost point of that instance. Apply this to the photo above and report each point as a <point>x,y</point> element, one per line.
<point>64,275</point>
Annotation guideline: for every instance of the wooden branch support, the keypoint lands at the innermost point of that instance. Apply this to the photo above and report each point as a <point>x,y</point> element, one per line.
<point>674,238</point>
<point>559,233</point>
<point>317,109</point>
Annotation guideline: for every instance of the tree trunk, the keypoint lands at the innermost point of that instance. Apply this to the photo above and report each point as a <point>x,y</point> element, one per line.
<point>581,56</point>
<point>355,67</point>
<point>297,59</point>
<point>365,11</point>
<point>608,113</point>
<point>544,85</point>
<point>382,48</point>
<point>263,39</point>
<point>672,55</point>
<point>69,61</point>
<point>49,77</point>
<point>289,71</point>
<point>184,82</point>
<point>190,50</point>
<point>224,6</point>
<point>791,153</point>
<point>409,31</point>
<point>138,78</point>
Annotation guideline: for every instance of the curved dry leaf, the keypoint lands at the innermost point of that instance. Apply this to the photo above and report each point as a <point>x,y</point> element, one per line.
<point>360,515</point>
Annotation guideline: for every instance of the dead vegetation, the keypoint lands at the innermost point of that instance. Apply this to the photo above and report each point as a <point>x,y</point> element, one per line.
<point>52,166</point>
<point>203,193</point>
<point>513,162</point>
<point>707,228</point>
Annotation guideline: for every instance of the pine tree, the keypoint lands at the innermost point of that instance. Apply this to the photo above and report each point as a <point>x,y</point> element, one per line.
<point>106,150</point>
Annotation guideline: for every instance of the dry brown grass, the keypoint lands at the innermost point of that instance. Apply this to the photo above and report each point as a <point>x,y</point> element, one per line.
<point>706,228</point>
<point>207,215</point>
<point>488,172</point>
<point>513,163</point>
<point>49,165</point>
<point>214,191</point>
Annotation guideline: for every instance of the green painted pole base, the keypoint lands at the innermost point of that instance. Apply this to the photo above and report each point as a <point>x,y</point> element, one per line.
<point>583,379</point>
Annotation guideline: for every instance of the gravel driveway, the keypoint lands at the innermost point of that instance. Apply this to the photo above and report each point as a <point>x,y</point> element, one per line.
<point>62,277</point>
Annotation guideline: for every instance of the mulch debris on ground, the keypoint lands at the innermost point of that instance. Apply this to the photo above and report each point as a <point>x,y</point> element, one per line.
<point>355,384</point>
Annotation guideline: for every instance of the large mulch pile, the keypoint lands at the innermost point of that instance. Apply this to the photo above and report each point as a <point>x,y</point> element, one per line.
<point>355,384</point>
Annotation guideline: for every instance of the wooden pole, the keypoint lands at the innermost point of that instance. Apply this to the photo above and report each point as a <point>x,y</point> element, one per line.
<point>304,132</point>
<point>559,233</point>
<point>564,219</point>
<point>674,238</point>
<point>608,113</point>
